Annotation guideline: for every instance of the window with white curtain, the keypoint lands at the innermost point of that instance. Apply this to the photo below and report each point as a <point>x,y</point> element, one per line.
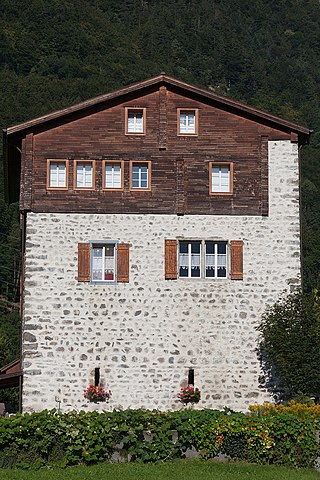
<point>216,259</point>
<point>187,122</point>
<point>140,175</point>
<point>190,259</point>
<point>198,259</point>
<point>113,175</point>
<point>84,174</point>
<point>57,174</point>
<point>221,178</point>
<point>103,262</point>
<point>135,120</point>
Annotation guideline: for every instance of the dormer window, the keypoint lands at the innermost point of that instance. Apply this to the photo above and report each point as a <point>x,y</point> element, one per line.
<point>135,121</point>
<point>187,122</point>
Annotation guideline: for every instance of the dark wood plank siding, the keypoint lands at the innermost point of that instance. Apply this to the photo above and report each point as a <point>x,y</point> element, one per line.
<point>223,137</point>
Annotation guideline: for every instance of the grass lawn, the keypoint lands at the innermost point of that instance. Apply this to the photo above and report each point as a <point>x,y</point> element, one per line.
<point>199,470</point>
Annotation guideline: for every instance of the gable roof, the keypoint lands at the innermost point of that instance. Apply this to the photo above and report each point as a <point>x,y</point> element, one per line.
<point>221,101</point>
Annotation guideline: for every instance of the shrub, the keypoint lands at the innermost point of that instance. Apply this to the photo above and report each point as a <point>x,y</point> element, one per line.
<point>290,346</point>
<point>51,438</point>
<point>298,409</point>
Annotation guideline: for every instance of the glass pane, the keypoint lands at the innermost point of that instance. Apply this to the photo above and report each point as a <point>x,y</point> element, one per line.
<point>195,247</point>
<point>222,248</point>
<point>183,122</point>
<point>97,264</point>
<point>109,263</point>
<point>183,271</point>
<point>135,122</point>
<point>195,272</point>
<point>53,175</point>
<point>183,247</point>
<point>222,272</point>
<point>191,123</point>
<point>61,175</point>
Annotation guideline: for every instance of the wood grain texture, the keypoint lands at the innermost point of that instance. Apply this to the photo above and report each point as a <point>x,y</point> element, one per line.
<point>123,262</point>
<point>171,272</point>
<point>83,262</point>
<point>236,257</point>
<point>223,136</point>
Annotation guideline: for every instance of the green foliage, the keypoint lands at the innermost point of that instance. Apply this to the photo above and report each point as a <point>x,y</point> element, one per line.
<point>290,344</point>
<point>50,438</point>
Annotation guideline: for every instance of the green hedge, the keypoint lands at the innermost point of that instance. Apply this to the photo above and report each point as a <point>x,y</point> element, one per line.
<point>51,438</point>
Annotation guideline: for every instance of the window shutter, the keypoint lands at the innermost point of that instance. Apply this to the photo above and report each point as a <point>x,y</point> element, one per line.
<point>83,262</point>
<point>236,254</point>
<point>123,263</point>
<point>171,260</point>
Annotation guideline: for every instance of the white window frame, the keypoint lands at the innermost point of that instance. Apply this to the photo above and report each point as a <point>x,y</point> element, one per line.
<point>98,244</point>
<point>203,258</point>
<point>187,112</point>
<point>113,162</point>
<point>84,163</point>
<point>141,163</point>
<point>189,254</point>
<point>216,258</point>
<point>219,190</point>
<point>57,162</point>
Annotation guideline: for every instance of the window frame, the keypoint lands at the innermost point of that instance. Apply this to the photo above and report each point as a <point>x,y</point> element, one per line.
<point>96,243</point>
<point>55,160</point>
<point>216,255</point>
<point>104,186</point>
<point>140,189</point>
<point>203,264</point>
<point>196,122</point>
<point>189,242</point>
<point>231,171</point>
<point>75,186</point>
<point>144,120</point>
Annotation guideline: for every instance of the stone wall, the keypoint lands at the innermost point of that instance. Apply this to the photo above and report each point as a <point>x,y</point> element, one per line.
<point>146,334</point>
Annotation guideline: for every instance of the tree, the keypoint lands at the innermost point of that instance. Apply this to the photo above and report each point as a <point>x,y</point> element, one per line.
<point>290,346</point>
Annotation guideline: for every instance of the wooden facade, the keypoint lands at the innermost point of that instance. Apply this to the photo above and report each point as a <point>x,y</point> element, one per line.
<point>179,164</point>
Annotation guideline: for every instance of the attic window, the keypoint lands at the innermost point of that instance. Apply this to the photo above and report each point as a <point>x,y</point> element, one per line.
<point>135,121</point>
<point>187,122</point>
<point>57,174</point>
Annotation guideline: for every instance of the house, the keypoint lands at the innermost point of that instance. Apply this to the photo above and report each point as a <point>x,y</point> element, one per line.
<point>158,221</point>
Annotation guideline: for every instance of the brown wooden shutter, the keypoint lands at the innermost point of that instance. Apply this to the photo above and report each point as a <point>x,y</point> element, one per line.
<point>83,262</point>
<point>123,262</point>
<point>171,260</point>
<point>236,255</point>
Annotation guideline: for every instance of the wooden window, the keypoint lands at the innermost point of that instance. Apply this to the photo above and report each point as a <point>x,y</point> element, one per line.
<point>135,121</point>
<point>103,262</point>
<point>187,121</point>
<point>140,175</point>
<point>84,174</point>
<point>57,174</point>
<point>221,178</point>
<point>113,174</point>
<point>216,259</point>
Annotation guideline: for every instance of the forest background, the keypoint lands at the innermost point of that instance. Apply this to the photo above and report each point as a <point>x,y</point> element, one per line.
<point>54,53</point>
